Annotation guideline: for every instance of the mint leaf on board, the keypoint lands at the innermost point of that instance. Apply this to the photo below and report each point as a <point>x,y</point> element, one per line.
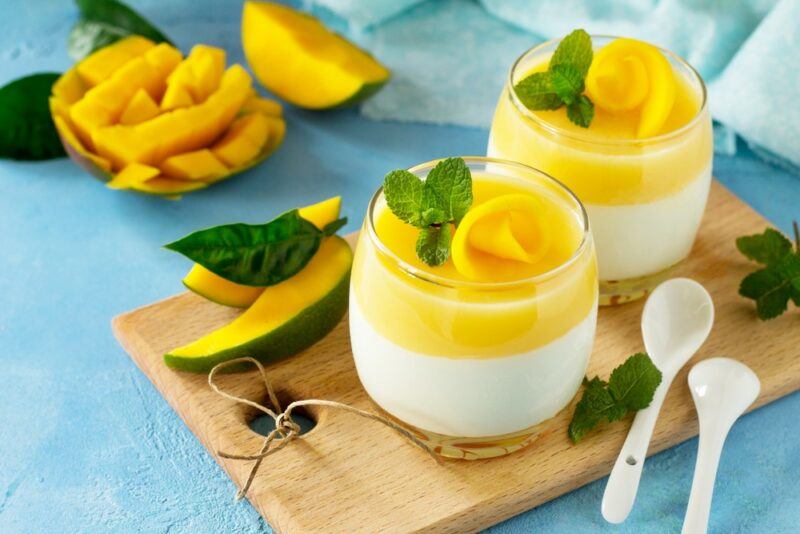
<point>433,205</point>
<point>403,192</point>
<point>256,255</point>
<point>27,131</point>
<point>103,22</point>
<point>778,282</point>
<point>536,92</point>
<point>575,50</point>
<point>564,81</point>
<point>433,244</point>
<point>451,183</point>
<point>581,112</point>
<point>630,388</point>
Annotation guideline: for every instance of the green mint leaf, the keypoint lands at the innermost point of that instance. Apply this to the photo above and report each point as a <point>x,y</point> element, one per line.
<point>773,286</point>
<point>575,50</point>
<point>27,131</point>
<point>103,22</point>
<point>536,92</point>
<point>567,82</point>
<point>433,244</point>
<point>766,248</point>
<point>633,383</point>
<point>630,388</point>
<point>334,226</point>
<point>254,255</point>
<point>450,186</point>
<point>403,192</point>
<point>581,112</point>
<point>433,215</point>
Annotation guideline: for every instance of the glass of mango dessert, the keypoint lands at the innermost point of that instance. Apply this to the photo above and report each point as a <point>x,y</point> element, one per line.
<point>625,125</point>
<point>477,353</point>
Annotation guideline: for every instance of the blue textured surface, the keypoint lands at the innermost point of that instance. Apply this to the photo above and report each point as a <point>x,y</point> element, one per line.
<point>89,445</point>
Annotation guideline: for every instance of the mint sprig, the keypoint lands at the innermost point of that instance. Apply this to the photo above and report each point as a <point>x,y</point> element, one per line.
<point>778,282</point>
<point>564,81</point>
<point>630,388</point>
<point>432,205</point>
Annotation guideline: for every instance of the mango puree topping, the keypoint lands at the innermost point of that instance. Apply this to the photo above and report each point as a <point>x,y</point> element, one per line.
<point>512,233</point>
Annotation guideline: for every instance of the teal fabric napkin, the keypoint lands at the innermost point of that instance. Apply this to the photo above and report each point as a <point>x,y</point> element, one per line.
<point>450,58</point>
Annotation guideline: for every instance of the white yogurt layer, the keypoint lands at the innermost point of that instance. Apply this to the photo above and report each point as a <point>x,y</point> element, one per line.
<point>471,397</point>
<point>641,239</point>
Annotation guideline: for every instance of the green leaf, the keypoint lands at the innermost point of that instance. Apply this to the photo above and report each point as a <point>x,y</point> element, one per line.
<point>27,131</point>
<point>254,255</point>
<point>633,383</point>
<point>591,410</point>
<point>536,92</point>
<point>575,50</point>
<point>581,112</point>
<point>451,182</point>
<point>773,286</point>
<point>334,226</point>
<point>766,248</point>
<point>403,192</point>
<point>433,244</point>
<point>104,21</point>
<point>567,82</point>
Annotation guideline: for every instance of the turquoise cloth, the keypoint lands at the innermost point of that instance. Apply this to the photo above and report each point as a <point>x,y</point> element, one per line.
<point>450,58</point>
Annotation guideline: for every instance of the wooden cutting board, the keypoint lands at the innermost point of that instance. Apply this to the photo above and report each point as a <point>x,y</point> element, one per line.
<point>353,475</point>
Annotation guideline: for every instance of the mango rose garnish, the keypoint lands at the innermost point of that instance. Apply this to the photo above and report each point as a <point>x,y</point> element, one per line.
<point>140,116</point>
<point>500,239</point>
<point>626,75</point>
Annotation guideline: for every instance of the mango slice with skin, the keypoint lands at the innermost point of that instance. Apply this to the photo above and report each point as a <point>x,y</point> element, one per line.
<point>217,289</point>
<point>627,74</point>
<point>494,237</point>
<point>285,319</point>
<point>197,165</point>
<point>102,64</point>
<point>141,108</point>
<point>244,140</point>
<point>119,120</point>
<point>294,56</point>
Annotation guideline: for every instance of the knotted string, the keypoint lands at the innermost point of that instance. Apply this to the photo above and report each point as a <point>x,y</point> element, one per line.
<point>286,429</point>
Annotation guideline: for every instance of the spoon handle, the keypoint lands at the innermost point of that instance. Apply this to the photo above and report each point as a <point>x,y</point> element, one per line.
<point>705,472</point>
<point>623,483</point>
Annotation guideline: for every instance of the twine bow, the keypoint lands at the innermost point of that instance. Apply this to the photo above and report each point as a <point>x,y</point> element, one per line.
<point>286,429</point>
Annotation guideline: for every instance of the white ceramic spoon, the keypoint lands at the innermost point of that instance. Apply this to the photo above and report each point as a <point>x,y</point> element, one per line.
<point>722,390</point>
<point>676,321</point>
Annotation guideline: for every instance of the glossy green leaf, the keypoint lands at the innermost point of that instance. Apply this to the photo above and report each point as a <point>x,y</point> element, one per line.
<point>103,22</point>
<point>26,128</point>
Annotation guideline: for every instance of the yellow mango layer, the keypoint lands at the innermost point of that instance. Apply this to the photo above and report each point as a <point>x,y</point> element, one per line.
<point>141,108</point>
<point>101,64</point>
<point>451,318</point>
<point>179,131</point>
<point>197,165</point>
<point>244,140</point>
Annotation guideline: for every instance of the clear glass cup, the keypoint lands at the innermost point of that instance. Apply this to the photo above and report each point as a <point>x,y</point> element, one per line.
<point>476,369</point>
<point>645,197</point>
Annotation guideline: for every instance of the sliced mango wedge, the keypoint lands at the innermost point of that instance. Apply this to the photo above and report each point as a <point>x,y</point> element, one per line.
<point>293,55</point>
<point>285,319</point>
<point>217,289</point>
<point>137,105</point>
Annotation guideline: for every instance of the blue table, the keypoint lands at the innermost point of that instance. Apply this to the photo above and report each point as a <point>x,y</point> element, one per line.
<point>89,445</point>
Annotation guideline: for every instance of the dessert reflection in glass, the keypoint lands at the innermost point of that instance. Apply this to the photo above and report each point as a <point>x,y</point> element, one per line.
<point>477,354</point>
<point>643,166</point>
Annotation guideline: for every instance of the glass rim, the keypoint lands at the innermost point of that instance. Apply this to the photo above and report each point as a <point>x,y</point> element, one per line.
<point>586,138</point>
<point>444,281</point>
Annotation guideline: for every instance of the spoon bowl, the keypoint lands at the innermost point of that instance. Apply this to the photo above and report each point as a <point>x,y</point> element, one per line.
<point>676,321</point>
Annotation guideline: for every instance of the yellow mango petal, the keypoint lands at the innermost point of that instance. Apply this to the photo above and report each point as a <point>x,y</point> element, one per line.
<point>69,88</point>
<point>661,98</point>
<point>141,108</point>
<point>133,175</point>
<point>176,96</point>
<point>498,235</point>
<point>197,165</point>
<point>100,65</point>
<point>243,141</point>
